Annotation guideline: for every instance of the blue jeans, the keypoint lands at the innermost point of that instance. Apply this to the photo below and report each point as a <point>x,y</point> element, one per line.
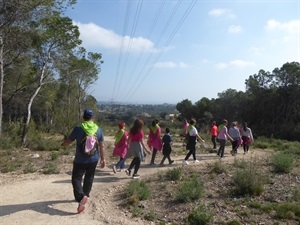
<point>120,164</point>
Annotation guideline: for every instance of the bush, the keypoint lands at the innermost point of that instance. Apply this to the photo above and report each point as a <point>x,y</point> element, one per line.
<point>173,174</point>
<point>137,191</point>
<point>218,168</point>
<point>199,216</point>
<point>247,182</point>
<point>282,163</point>
<point>51,168</point>
<point>191,189</point>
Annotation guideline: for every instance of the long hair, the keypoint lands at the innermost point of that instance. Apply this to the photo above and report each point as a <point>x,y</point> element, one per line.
<point>137,126</point>
<point>245,125</point>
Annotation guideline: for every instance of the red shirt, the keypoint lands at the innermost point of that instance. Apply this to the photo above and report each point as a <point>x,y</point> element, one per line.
<point>214,130</point>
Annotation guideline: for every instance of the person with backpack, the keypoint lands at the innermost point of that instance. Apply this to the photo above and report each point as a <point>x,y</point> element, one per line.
<point>89,149</point>
<point>191,139</point>
<point>120,149</point>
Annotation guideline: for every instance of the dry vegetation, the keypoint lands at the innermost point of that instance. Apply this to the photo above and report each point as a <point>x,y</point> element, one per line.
<point>217,201</point>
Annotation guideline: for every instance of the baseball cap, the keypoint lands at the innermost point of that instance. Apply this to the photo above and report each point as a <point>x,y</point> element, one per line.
<point>88,113</point>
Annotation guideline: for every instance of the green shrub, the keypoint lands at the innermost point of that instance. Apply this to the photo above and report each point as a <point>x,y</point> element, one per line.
<point>54,155</point>
<point>136,211</point>
<point>199,216</point>
<point>240,163</point>
<point>51,168</point>
<point>137,190</point>
<point>29,168</point>
<point>288,211</point>
<point>218,168</point>
<point>191,189</point>
<point>150,216</point>
<point>247,182</point>
<point>174,174</point>
<point>282,163</point>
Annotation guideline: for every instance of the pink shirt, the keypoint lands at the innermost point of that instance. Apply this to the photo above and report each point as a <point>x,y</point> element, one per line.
<point>223,133</point>
<point>185,126</point>
<point>136,137</point>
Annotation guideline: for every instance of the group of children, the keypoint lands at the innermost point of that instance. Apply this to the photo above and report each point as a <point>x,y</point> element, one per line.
<point>237,136</point>
<point>132,145</point>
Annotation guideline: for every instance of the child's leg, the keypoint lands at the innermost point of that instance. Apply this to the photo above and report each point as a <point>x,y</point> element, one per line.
<point>137,164</point>
<point>163,160</point>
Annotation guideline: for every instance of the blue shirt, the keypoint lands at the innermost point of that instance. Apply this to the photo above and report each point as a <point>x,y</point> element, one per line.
<point>78,134</point>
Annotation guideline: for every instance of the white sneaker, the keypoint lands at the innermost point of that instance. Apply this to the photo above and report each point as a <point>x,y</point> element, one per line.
<point>185,162</point>
<point>196,161</point>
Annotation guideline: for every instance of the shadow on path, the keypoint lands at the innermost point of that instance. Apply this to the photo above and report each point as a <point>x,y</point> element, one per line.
<point>41,207</point>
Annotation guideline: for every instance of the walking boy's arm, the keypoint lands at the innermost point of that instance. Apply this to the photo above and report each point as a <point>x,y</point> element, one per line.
<point>102,156</point>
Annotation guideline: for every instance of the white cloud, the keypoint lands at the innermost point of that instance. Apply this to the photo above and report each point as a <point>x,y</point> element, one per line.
<point>257,50</point>
<point>221,13</point>
<point>288,32</point>
<point>239,64</point>
<point>170,65</point>
<point>234,29</point>
<point>93,35</point>
<point>291,27</point>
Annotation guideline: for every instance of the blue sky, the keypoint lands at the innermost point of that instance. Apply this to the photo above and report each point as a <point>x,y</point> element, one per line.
<point>165,51</point>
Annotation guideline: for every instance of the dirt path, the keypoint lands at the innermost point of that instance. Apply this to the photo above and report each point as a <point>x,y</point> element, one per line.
<point>31,199</point>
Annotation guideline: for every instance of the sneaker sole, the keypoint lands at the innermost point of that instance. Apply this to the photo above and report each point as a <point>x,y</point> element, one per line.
<point>82,203</point>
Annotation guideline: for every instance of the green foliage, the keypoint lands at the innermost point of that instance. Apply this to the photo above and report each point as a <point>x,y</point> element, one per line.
<point>282,163</point>
<point>136,211</point>
<point>199,216</point>
<point>190,189</point>
<point>173,174</point>
<point>137,190</point>
<point>248,181</point>
<point>240,163</point>
<point>29,168</point>
<point>234,222</point>
<point>51,168</point>
<point>54,155</point>
<point>150,216</point>
<point>11,136</point>
<point>288,211</point>
<point>218,168</point>
<point>11,165</point>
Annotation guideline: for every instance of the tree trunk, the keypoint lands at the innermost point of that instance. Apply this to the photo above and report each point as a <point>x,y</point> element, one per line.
<point>1,82</point>
<point>26,125</point>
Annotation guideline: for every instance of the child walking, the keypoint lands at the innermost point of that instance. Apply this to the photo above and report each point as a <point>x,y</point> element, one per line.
<point>120,149</point>
<point>167,149</point>
<point>136,148</point>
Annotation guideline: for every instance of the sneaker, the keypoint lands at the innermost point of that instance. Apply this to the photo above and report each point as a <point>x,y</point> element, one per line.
<point>196,161</point>
<point>128,172</point>
<point>114,169</point>
<point>185,162</point>
<point>171,162</point>
<point>81,206</point>
<point>232,153</point>
<point>136,176</point>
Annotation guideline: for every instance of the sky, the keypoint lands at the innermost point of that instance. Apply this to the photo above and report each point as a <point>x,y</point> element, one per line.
<point>166,51</point>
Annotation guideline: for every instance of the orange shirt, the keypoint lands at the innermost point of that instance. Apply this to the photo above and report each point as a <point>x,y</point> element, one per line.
<point>214,130</point>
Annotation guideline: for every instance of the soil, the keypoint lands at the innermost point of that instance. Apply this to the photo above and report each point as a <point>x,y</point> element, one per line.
<point>35,198</point>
